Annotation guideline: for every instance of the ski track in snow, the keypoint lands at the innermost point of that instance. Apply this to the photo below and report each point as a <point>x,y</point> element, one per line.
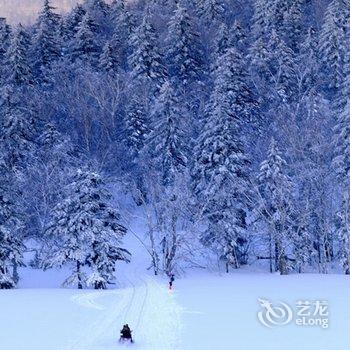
<point>146,305</point>
<point>88,300</point>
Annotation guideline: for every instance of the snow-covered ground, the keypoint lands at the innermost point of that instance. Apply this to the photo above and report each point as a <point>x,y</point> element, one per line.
<point>205,311</point>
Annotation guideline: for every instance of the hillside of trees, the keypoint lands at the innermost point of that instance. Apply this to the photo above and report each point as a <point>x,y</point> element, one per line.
<point>225,122</point>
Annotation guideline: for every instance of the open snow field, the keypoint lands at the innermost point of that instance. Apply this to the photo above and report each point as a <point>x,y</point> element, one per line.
<point>203,312</point>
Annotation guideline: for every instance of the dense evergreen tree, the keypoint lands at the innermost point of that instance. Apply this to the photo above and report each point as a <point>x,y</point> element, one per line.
<point>73,20</point>
<point>166,143</point>
<point>263,19</point>
<point>48,173</point>
<point>344,233</point>
<point>108,60</point>
<point>16,143</point>
<point>121,19</point>
<point>341,163</point>
<point>220,172</point>
<point>17,65</point>
<point>343,94</point>
<point>46,46</point>
<point>17,129</point>
<point>4,39</point>
<point>276,206</point>
<point>212,11</point>
<point>293,25</point>
<point>123,27</point>
<point>137,123</point>
<point>146,60</point>
<point>333,44</point>
<point>84,46</point>
<point>228,37</point>
<point>85,231</point>
<point>309,61</point>
<point>11,246</point>
<point>183,53</point>
<point>281,66</point>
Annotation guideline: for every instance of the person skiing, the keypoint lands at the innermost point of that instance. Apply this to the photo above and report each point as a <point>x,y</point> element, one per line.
<point>125,333</point>
<point>171,281</point>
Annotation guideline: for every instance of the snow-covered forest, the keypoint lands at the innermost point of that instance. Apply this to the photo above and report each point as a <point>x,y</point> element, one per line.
<point>223,125</point>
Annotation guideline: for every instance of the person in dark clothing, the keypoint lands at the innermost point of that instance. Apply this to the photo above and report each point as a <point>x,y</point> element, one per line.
<point>125,333</point>
<point>172,279</point>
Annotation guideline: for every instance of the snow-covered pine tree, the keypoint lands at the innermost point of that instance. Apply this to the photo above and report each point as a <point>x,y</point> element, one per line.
<point>46,47</point>
<point>17,66</point>
<point>165,177</point>
<point>222,41</point>
<point>85,232</point>
<point>274,72</point>
<point>221,166</point>
<point>226,38</point>
<point>47,173</point>
<point>96,6</point>
<point>343,94</point>
<point>73,20</point>
<point>137,123</point>
<point>17,128</point>
<point>211,11</point>
<point>263,19</point>
<point>122,30</point>
<point>121,19</point>
<point>4,38</point>
<point>166,146</point>
<point>16,143</point>
<point>341,163</point>
<point>84,47</point>
<point>344,232</point>
<point>309,64</point>
<point>238,36</point>
<point>258,62</point>
<point>281,65</point>
<point>334,44</point>
<point>276,206</point>
<point>341,159</point>
<point>11,246</point>
<point>146,60</point>
<point>98,10</point>
<point>293,25</point>
<point>282,16</point>
<point>108,60</point>
<point>183,50</point>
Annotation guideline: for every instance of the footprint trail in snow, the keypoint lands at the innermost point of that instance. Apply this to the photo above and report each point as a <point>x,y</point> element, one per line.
<point>146,305</point>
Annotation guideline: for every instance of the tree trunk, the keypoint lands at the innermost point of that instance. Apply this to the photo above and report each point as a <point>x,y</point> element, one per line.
<point>15,275</point>
<point>282,262</point>
<point>276,257</point>
<point>154,257</point>
<point>80,284</point>
<point>100,285</point>
<point>270,251</point>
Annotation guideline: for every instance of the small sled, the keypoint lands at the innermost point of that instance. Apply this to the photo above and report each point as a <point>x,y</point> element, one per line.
<point>123,340</point>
